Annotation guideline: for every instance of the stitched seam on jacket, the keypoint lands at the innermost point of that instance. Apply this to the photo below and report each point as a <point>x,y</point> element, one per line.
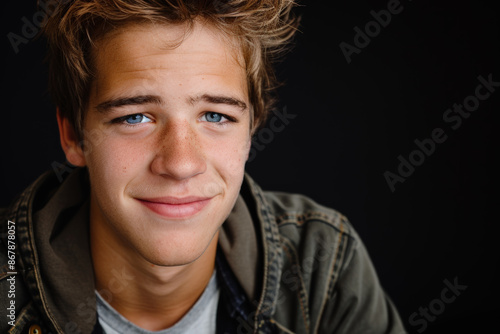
<point>287,246</point>
<point>303,217</point>
<point>332,276</point>
<point>299,220</point>
<point>281,327</point>
<point>336,270</point>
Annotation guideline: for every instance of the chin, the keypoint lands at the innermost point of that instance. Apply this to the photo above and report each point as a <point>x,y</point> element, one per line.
<point>176,249</point>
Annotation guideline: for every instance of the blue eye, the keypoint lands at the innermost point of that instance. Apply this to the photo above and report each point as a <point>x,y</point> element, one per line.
<point>135,119</point>
<point>213,117</point>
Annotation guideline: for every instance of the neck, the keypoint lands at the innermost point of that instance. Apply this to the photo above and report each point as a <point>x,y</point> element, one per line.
<point>150,296</point>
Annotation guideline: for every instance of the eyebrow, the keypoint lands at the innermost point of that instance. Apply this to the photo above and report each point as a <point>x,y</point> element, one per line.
<point>218,99</point>
<point>106,106</point>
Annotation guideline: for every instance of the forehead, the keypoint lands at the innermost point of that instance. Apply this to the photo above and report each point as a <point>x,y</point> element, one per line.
<point>136,40</point>
<point>172,52</point>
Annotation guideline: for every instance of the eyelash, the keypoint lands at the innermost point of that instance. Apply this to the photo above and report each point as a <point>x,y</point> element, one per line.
<point>122,120</point>
<point>229,119</point>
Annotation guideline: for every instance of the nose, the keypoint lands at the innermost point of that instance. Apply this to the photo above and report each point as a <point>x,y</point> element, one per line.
<point>180,154</point>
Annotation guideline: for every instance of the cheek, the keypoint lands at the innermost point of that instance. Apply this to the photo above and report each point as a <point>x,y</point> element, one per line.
<point>231,157</point>
<point>114,162</point>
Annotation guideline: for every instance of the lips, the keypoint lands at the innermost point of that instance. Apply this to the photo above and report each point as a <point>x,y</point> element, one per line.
<point>175,207</point>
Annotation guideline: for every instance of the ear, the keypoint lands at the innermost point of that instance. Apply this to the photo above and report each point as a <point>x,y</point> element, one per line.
<point>69,141</point>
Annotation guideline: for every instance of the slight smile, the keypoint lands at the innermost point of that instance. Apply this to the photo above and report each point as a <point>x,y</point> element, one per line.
<point>174,207</point>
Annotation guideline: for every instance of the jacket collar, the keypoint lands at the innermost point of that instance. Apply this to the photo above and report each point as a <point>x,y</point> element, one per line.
<point>272,257</point>
<point>52,221</point>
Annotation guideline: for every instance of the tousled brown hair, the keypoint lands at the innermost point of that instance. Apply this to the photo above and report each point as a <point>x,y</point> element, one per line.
<point>262,27</point>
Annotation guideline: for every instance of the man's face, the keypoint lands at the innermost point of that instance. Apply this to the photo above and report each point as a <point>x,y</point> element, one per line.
<point>174,135</point>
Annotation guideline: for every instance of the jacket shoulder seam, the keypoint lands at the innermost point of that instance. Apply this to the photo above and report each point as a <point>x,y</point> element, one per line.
<point>336,221</point>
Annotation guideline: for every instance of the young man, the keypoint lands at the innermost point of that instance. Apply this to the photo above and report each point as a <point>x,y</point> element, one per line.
<point>159,228</point>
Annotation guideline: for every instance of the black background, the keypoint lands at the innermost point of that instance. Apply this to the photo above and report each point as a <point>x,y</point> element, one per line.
<point>352,122</point>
